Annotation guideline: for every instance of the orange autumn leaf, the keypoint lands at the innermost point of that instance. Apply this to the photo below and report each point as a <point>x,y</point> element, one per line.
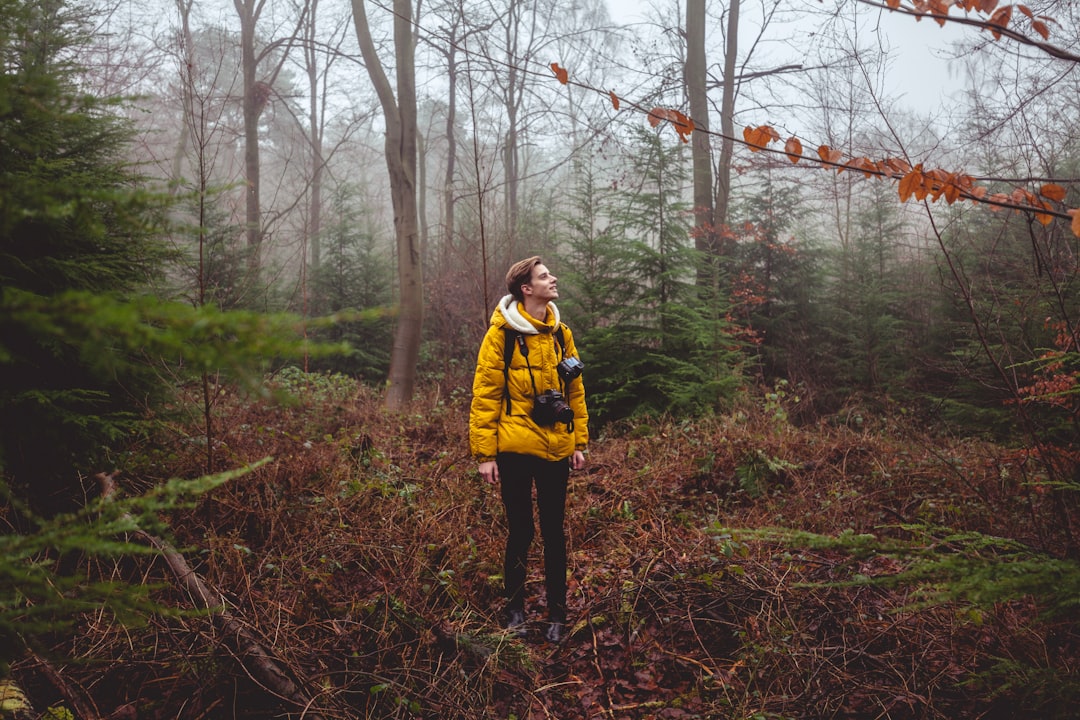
<point>561,73</point>
<point>1075,222</point>
<point>910,183</point>
<point>683,125</point>
<point>1000,19</point>
<point>793,148</point>
<point>1052,191</point>
<point>685,128</point>
<point>759,137</point>
<point>1020,196</point>
<point>614,99</point>
<point>753,139</point>
<point>938,184</point>
<point>828,155</point>
<point>1040,27</point>
<point>896,166</point>
<point>940,10</point>
<point>952,192</point>
<point>865,164</point>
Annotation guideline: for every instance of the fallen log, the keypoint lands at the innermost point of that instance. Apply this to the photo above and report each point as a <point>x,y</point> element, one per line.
<point>260,662</point>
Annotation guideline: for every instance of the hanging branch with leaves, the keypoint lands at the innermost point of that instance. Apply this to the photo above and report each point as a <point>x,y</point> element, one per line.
<point>1045,202</point>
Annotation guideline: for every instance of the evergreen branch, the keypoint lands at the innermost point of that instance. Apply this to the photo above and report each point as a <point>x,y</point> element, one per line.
<point>946,566</point>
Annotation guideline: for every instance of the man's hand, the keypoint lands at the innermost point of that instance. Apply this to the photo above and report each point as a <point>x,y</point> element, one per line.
<point>577,460</point>
<point>489,471</point>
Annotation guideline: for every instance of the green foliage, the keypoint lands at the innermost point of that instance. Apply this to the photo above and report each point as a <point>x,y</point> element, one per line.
<point>321,387</point>
<point>651,343</point>
<point>70,217</point>
<point>868,297</point>
<point>777,282</point>
<point>42,593</point>
<point>947,566</point>
<point>55,423</point>
<point>758,472</point>
<point>354,275</point>
<point>978,571</point>
<point>70,220</point>
<point>592,261</point>
<point>217,270</point>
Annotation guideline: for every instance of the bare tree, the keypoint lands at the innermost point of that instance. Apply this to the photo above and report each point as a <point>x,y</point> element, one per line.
<point>727,118</point>
<point>257,93</point>
<point>400,147</point>
<point>695,75</point>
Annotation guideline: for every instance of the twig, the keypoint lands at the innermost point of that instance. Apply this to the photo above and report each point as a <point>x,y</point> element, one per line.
<point>258,661</point>
<point>74,695</point>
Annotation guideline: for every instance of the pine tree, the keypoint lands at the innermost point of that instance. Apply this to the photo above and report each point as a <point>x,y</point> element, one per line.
<point>868,327</point>
<point>354,276</point>
<point>662,349</point>
<point>71,219</point>
<point>777,282</point>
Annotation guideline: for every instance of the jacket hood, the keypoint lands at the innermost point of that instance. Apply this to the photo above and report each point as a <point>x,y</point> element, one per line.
<point>512,315</point>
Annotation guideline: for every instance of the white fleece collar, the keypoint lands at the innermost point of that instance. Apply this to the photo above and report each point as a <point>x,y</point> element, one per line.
<point>508,306</point>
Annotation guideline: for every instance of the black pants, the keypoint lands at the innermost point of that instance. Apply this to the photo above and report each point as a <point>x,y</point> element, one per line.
<point>517,473</point>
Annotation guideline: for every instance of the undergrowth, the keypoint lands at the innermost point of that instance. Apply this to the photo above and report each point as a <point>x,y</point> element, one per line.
<point>367,557</point>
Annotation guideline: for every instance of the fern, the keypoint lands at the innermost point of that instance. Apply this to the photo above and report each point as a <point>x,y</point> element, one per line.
<point>946,566</point>
<point>39,593</point>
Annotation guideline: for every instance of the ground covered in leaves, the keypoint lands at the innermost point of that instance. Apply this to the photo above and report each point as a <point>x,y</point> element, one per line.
<point>365,559</point>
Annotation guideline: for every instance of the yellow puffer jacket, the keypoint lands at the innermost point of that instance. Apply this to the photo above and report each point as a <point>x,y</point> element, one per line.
<point>491,429</point>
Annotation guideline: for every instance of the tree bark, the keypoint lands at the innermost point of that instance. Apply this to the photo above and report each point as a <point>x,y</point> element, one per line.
<point>400,148</point>
<point>315,138</point>
<point>513,104</point>
<point>727,129</point>
<point>187,82</point>
<point>253,102</point>
<point>694,74</point>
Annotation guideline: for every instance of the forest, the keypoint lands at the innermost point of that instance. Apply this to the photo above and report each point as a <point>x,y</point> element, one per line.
<point>248,252</point>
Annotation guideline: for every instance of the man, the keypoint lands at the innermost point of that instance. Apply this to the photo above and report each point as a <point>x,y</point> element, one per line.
<point>521,433</point>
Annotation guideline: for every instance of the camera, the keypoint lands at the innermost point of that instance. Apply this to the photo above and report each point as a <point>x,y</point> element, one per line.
<point>570,368</point>
<point>550,407</point>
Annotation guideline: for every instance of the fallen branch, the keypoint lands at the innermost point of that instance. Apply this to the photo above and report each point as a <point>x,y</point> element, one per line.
<point>74,695</point>
<point>259,662</point>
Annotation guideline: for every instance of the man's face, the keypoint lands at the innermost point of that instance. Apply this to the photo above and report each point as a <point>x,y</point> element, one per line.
<point>542,284</point>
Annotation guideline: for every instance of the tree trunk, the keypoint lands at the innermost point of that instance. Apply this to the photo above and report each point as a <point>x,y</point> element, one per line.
<point>187,82</point>
<point>253,101</point>
<point>400,149</point>
<point>451,150</point>
<point>315,138</point>
<point>513,103</point>
<point>727,129</point>
<point>694,73</point>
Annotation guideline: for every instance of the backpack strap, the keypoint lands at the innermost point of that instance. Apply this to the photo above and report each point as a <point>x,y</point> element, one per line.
<point>510,338</point>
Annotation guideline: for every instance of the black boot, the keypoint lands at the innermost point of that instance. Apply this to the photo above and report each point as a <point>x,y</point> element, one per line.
<point>556,631</point>
<point>515,622</point>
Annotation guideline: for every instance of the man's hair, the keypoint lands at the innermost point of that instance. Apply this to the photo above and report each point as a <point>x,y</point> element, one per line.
<point>520,273</point>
